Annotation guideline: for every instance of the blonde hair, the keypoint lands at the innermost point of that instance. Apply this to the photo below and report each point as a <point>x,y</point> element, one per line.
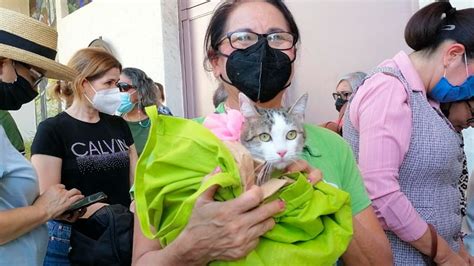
<point>90,64</point>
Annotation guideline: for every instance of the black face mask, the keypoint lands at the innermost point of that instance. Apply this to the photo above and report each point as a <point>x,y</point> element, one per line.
<point>260,72</point>
<point>14,95</point>
<point>340,103</point>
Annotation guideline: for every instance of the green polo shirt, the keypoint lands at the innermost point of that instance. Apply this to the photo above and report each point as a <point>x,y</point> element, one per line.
<point>330,153</point>
<point>140,130</point>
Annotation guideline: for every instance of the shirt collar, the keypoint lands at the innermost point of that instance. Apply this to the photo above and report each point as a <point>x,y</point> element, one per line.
<point>404,63</point>
<point>409,71</point>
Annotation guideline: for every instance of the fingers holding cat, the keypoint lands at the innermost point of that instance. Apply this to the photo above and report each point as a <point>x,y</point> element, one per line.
<point>314,174</point>
<point>228,230</point>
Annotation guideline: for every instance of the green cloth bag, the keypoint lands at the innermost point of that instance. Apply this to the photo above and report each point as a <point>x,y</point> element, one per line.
<point>314,229</point>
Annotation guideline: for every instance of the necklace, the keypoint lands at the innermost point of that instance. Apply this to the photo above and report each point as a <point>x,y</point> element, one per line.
<point>141,121</point>
<point>146,124</point>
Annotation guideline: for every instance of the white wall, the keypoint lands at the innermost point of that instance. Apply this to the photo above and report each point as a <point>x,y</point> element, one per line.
<point>25,120</point>
<point>458,4</point>
<point>339,37</point>
<point>134,30</point>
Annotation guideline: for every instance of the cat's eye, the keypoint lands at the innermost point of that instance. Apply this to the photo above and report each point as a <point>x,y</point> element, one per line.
<point>265,137</point>
<point>291,135</point>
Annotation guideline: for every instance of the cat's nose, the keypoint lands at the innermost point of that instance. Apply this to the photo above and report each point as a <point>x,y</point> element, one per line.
<point>281,153</point>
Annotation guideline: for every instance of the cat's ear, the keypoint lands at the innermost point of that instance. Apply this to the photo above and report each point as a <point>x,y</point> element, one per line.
<point>247,106</point>
<point>300,105</point>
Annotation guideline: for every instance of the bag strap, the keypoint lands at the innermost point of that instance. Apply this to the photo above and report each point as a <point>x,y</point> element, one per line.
<point>141,209</point>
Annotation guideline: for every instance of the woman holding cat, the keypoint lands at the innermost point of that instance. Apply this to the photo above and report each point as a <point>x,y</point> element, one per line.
<point>408,153</point>
<point>241,36</point>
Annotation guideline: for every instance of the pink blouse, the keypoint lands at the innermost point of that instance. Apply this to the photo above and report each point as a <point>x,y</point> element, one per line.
<point>381,114</point>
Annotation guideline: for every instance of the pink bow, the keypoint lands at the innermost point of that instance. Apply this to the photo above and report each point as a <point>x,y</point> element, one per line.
<point>225,126</point>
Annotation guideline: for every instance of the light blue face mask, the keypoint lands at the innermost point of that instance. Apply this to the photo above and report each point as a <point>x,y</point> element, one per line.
<point>126,104</point>
<point>444,91</point>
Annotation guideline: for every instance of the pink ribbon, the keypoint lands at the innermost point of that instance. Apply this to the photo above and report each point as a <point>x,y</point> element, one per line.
<point>225,126</point>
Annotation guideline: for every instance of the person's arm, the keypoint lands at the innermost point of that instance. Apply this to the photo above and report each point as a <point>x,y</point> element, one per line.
<point>216,231</point>
<point>445,255</point>
<point>47,154</point>
<point>369,244</point>
<point>144,248</point>
<point>51,204</point>
<point>48,169</point>
<point>132,153</point>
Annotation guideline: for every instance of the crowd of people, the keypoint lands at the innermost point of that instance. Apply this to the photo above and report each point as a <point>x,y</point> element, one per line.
<point>400,159</point>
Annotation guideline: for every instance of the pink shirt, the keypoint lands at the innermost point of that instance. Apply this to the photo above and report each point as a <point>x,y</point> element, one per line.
<point>381,114</point>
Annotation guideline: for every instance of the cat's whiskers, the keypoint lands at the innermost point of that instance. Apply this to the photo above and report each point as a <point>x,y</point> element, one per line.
<point>261,173</point>
<point>264,173</point>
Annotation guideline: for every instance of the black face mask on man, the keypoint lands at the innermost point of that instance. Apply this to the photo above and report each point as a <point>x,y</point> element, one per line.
<point>260,72</point>
<point>14,95</point>
<point>340,103</point>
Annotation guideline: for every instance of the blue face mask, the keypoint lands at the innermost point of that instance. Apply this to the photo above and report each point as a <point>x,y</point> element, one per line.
<point>126,104</point>
<point>444,91</point>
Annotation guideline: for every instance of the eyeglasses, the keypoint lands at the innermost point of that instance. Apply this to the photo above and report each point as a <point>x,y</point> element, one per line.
<point>343,95</point>
<point>124,87</point>
<point>36,76</point>
<point>244,39</point>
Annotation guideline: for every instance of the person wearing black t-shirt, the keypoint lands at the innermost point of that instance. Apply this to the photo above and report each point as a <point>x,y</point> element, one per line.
<point>86,147</point>
<point>93,157</point>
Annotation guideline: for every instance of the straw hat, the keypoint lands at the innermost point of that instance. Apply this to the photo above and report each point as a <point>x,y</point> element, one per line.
<point>27,40</point>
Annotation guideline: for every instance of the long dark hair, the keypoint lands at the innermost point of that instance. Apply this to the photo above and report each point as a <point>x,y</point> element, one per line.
<point>437,22</point>
<point>218,23</point>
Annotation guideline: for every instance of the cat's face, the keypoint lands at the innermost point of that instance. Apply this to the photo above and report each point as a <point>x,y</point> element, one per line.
<point>274,135</point>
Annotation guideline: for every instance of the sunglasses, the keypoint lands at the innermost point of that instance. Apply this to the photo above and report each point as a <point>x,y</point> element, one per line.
<point>36,76</point>
<point>124,87</point>
<point>342,95</point>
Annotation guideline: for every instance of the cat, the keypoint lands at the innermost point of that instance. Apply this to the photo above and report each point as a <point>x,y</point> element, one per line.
<point>275,136</point>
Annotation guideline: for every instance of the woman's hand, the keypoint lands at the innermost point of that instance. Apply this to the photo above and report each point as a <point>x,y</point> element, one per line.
<point>464,254</point>
<point>72,217</point>
<point>225,230</point>
<point>446,256</point>
<point>314,175</point>
<point>451,258</point>
<point>7,70</point>
<point>56,199</point>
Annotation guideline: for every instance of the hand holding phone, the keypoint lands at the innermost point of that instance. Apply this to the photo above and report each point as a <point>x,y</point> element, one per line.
<point>87,201</point>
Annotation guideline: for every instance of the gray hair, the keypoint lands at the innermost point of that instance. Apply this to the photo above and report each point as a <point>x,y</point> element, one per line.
<point>220,96</point>
<point>148,93</point>
<point>355,79</point>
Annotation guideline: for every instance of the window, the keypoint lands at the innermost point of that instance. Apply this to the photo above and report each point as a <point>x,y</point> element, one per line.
<point>73,5</point>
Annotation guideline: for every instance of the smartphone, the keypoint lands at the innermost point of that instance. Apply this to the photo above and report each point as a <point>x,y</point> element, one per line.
<point>87,201</point>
